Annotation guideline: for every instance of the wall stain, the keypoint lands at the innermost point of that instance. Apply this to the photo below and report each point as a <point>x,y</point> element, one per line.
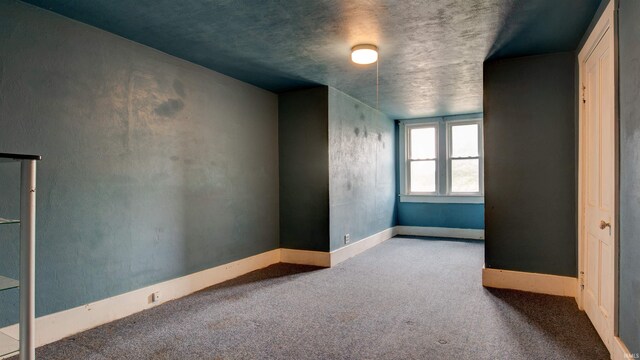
<point>366,132</point>
<point>175,158</point>
<point>356,131</point>
<point>362,116</point>
<point>379,136</point>
<point>169,108</point>
<point>349,185</point>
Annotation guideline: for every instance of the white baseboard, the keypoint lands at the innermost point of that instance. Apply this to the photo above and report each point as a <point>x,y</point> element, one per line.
<point>531,282</point>
<point>351,250</point>
<point>305,257</point>
<point>329,259</point>
<point>56,326</point>
<point>546,284</point>
<point>59,325</point>
<point>620,351</point>
<point>476,234</point>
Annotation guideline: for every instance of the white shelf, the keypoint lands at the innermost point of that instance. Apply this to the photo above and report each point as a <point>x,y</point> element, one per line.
<point>8,345</point>
<point>8,283</point>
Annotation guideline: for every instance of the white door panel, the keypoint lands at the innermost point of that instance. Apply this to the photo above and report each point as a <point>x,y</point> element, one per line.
<point>599,186</point>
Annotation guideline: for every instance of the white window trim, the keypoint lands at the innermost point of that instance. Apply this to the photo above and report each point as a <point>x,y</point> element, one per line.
<point>480,156</point>
<point>423,125</point>
<point>443,167</point>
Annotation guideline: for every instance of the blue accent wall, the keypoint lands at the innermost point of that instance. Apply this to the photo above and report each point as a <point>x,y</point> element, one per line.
<point>361,169</point>
<point>153,167</point>
<point>629,279</point>
<point>463,216</point>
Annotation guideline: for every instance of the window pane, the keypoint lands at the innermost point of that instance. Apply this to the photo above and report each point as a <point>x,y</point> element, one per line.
<point>464,140</point>
<point>423,143</point>
<point>423,176</point>
<point>465,176</point>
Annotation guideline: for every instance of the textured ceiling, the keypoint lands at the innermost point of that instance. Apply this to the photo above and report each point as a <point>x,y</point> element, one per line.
<point>431,51</point>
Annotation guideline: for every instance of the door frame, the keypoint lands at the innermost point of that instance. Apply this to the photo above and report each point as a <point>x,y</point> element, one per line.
<point>606,22</point>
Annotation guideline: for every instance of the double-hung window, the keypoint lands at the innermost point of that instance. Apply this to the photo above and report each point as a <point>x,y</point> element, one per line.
<point>422,158</point>
<point>441,159</point>
<point>463,158</point>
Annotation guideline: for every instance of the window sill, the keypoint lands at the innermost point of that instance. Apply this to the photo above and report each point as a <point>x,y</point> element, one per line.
<point>443,199</point>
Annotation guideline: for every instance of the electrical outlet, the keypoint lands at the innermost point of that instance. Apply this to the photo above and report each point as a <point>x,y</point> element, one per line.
<point>347,238</point>
<point>155,297</point>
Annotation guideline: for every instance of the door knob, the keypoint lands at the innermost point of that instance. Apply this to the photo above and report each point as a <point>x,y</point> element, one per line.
<point>604,224</point>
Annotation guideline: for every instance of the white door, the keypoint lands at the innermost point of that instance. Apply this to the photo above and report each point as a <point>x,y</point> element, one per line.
<point>599,186</point>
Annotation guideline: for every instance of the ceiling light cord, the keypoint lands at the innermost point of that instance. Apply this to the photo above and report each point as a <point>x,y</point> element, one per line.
<point>365,54</point>
<point>378,84</point>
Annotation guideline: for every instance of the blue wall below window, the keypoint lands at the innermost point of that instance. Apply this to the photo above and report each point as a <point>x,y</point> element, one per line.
<point>461,216</point>
<point>456,216</point>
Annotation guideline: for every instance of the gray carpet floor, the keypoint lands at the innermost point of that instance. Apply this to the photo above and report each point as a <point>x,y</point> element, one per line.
<point>407,298</point>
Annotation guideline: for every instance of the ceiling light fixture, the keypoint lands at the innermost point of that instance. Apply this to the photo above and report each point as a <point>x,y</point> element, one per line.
<point>364,54</point>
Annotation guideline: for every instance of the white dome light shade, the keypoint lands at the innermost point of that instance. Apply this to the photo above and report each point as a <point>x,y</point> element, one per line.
<point>364,54</point>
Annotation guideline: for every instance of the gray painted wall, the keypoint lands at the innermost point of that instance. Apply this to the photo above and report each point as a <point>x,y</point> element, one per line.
<point>304,169</point>
<point>361,168</point>
<point>152,168</point>
<point>530,186</point>
<point>629,62</point>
